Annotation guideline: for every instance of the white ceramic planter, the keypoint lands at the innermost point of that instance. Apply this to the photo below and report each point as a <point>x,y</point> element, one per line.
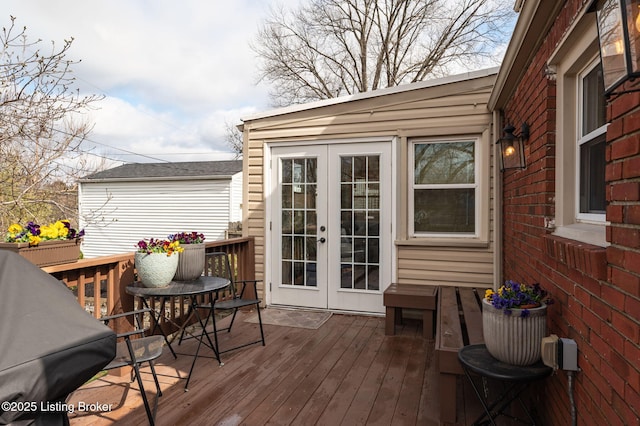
<point>512,338</point>
<point>156,269</point>
<point>191,262</point>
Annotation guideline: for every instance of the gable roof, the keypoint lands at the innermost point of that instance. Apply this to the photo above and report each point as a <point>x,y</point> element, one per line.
<point>169,171</point>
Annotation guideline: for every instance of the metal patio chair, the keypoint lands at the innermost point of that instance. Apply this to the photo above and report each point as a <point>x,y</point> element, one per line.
<point>136,351</point>
<point>217,264</point>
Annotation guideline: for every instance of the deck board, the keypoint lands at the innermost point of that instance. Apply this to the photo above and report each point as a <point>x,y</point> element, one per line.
<point>346,372</point>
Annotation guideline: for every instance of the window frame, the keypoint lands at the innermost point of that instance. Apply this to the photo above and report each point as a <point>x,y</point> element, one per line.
<point>476,186</point>
<point>575,52</point>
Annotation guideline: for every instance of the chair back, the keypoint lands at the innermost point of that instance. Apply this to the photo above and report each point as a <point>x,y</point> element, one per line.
<point>217,265</point>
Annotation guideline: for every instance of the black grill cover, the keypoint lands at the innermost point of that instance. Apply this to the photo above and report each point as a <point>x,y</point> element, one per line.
<point>49,345</point>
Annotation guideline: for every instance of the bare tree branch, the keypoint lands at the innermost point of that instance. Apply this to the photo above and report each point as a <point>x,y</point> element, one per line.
<point>329,48</point>
<point>233,137</point>
<point>41,130</point>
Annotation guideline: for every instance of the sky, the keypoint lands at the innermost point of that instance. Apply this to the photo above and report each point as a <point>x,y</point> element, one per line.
<point>172,72</point>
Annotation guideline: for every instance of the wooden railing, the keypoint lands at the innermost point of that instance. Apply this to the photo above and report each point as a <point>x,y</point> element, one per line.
<point>99,283</point>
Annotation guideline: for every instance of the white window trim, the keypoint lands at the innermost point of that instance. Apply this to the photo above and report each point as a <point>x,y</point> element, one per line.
<point>574,54</point>
<point>479,216</point>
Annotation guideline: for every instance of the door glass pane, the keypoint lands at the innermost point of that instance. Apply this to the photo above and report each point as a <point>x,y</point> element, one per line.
<point>286,196</point>
<point>373,277</point>
<point>360,219</point>
<point>299,221</point>
<point>345,195</point>
<point>286,247</point>
<point>287,271</point>
<point>346,277</point>
<point>359,277</point>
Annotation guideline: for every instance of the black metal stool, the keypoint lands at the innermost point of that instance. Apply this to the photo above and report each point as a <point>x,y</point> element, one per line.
<point>477,359</point>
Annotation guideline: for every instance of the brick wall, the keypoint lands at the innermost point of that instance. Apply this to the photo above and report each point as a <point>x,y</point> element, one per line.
<point>597,291</point>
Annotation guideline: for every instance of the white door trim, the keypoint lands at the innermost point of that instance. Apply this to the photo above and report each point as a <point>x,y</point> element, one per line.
<point>269,187</point>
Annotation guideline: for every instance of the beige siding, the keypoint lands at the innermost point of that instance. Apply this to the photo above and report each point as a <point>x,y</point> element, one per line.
<point>451,109</point>
<point>445,266</point>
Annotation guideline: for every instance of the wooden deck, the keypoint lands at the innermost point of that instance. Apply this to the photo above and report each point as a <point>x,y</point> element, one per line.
<point>346,372</point>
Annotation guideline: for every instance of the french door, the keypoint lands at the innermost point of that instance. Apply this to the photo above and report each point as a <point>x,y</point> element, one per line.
<point>330,238</point>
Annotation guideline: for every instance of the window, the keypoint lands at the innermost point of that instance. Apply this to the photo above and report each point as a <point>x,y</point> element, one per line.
<point>444,188</point>
<point>591,144</point>
<point>580,201</point>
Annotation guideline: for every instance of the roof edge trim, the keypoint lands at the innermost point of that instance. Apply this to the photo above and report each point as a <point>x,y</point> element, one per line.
<point>536,17</point>
<point>471,75</point>
<point>157,178</point>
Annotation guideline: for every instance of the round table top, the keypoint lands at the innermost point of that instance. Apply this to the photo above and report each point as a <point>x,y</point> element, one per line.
<point>478,359</point>
<point>203,284</point>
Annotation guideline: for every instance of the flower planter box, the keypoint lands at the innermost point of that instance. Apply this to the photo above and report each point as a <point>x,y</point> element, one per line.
<point>47,253</point>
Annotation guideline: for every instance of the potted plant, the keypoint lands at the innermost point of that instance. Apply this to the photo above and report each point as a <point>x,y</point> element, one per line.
<point>514,320</point>
<point>191,259</point>
<point>156,261</point>
<point>44,245</point>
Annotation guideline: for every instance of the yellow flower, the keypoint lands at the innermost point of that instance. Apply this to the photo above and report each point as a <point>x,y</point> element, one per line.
<point>488,293</point>
<point>15,229</point>
<point>34,233</point>
<point>175,247</point>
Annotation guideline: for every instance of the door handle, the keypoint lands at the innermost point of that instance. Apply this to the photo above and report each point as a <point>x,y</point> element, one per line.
<point>322,240</point>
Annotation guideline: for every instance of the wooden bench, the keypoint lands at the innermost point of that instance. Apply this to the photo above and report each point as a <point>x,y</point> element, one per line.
<point>410,296</point>
<point>459,323</point>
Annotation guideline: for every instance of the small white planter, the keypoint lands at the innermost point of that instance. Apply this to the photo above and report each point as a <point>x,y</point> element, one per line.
<point>512,338</point>
<point>156,269</point>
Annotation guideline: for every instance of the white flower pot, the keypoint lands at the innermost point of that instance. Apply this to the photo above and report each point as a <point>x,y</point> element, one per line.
<point>512,338</point>
<point>191,262</point>
<point>156,269</point>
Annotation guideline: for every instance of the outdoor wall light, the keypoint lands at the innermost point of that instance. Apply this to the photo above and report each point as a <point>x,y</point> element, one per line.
<point>619,38</point>
<point>512,147</point>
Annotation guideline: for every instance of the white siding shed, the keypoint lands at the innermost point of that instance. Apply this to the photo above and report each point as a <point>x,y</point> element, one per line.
<point>120,206</point>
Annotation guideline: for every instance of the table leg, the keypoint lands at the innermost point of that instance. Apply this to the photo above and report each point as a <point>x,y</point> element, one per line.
<point>156,322</point>
<point>508,395</point>
<point>481,399</point>
<point>204,333</point>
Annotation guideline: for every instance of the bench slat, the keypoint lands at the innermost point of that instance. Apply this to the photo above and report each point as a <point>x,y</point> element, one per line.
<point>449,339</point>
<point>450,332</point>
<point>472,315</point>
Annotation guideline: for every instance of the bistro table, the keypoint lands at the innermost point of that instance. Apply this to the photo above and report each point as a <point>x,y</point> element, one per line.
<point>189,289</point>
<point>477,359</point>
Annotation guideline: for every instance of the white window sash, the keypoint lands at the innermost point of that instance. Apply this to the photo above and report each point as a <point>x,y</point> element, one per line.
<point>475,186</point>
<point>589,218</point>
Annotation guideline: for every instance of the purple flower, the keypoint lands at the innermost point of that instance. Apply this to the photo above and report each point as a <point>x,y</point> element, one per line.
<point>513,295</point>
<point>33,228</point>
<point>187,237</point>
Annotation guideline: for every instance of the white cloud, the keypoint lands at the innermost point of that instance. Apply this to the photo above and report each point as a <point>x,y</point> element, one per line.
<point>173,72</point>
